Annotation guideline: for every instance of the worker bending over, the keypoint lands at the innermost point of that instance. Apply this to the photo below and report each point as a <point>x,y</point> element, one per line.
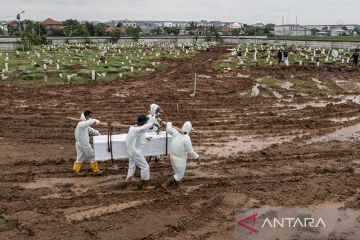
<point>180,147</point>
<point>134,139</point>
<point>83,148</point>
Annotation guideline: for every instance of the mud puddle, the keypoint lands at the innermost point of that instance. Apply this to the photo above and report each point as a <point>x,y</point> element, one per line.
<point>342,120</point>
<point>314,104</point>
<point>244,144</point>
<point>74,182</point>
<point>343,134</point>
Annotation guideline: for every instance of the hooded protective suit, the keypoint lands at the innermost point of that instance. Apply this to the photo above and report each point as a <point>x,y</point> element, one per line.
<point>335,55</point>
<point>83,147</point>
<point>134,140</point>
<point>152,117</point>
<point>180,147</point>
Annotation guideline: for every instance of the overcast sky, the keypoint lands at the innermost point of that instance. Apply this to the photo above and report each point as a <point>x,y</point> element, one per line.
<point>244,11</point>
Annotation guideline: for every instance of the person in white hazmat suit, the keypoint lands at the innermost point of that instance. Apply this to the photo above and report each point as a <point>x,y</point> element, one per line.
<point>180,147</point>
<point>155,113</point>
<point>335,55</point>
<point>134,139</point>
<point>83,148</point>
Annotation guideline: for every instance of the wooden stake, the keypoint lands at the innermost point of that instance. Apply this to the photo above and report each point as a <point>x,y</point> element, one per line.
<point>194,86</point>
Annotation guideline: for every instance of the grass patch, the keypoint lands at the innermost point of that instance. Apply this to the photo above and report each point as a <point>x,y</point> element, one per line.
<point>6,222</point>
<point>300,86</point>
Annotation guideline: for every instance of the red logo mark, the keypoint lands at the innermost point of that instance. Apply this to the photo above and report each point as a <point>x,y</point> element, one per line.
<point>249,228</point>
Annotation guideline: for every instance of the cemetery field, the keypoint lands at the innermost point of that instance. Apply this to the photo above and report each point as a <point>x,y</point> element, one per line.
<point>79,64</point>
<point>267,134</point>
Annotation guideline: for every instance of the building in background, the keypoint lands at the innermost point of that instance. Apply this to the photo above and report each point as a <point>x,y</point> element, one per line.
<point>50,24</point>
<point>292,30</point>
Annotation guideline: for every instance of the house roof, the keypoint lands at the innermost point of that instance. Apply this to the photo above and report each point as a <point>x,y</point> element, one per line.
<point>50,21</point>
<point>226,29</point>
<point>112,29</point>
<point>12,23</point>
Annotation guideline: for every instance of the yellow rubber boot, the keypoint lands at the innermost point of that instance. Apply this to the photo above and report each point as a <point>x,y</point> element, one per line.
<point>76,168</point>
<point>95,168</point>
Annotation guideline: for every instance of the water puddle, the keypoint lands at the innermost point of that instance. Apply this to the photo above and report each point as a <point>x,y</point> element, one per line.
<point>342,120</point>
<point>354,99</point>
<point>81,213</point>
<point>204,76</point>
<point>343,134</point>
<point>73,182</point>
<point>244,144</point>
<point>319,104</point>
<point>287,85</point>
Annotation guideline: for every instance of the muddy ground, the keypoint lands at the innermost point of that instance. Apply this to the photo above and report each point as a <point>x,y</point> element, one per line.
<point>255,151</point>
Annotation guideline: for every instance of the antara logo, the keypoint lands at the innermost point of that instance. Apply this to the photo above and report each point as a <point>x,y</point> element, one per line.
<point>294,222</point>
<point>249,228</point>
<point>288,222</point>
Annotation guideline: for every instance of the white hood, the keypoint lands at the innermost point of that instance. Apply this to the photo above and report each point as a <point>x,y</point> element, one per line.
<point>153,108</point>
<point>187,127</point>
<point>82,117</point>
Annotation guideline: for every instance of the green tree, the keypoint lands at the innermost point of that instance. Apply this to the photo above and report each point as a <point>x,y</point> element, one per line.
<point>156,31</point>
<point>212,34</point>
<point>314,31</point>
<point>57,32</point>
<point>14,31</point>
<point>269,29</point>
<point>115,35</point>
<point>133,32</point>
<point>172,30</point>
<point>101,29</point>
<point>236,32</point>
<point>90,27</point>
<point>192,28</point>
<point>71,27</point>
<point>33,33</point>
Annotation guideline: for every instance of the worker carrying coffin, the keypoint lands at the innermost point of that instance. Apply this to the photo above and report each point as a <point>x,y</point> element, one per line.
<point>180,147</point>
<point>83,148</point>
<point>134,139</point>
<point>154,115</point>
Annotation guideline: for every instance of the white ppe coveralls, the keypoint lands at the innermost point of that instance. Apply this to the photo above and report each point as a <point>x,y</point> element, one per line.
<point>152,117</point>
<point>180,147</point>
<point>335,55</point>
<point>134,139</point>
<point>83,147</point>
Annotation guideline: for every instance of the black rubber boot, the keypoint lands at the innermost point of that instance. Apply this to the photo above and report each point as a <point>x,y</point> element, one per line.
<point>171,182</point>
<point>142,184</point>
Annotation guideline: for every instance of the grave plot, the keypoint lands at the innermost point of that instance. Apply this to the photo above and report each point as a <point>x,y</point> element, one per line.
<point>246,56</point>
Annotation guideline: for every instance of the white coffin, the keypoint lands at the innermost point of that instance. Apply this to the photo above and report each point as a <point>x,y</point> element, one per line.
<point>156,146</point>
